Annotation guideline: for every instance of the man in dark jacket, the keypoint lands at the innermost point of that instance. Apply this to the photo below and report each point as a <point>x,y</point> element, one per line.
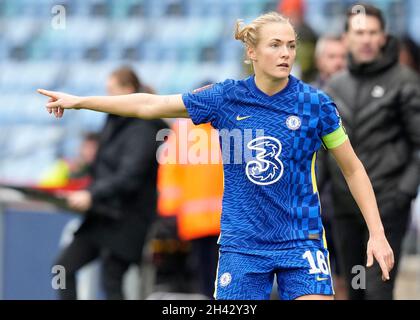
<point>379,102</point>
<point>120,204</point>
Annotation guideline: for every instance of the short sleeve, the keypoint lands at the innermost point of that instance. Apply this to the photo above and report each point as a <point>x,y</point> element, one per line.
<point>203,104</point>
<point>331,129</point>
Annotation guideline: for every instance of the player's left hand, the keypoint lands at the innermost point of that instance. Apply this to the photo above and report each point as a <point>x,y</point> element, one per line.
<point>80,200</point>
<point>379,248</point>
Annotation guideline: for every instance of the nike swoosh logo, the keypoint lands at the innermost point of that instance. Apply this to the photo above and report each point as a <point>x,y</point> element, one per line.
<point>239,118</point>
<point>321,279</point>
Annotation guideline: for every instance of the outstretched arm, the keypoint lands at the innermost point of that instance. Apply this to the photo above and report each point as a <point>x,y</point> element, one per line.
<point>362,191</point>
<point>140,105</point>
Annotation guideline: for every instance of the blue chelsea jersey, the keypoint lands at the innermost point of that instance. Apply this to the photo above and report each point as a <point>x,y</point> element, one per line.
<point>270,198</point>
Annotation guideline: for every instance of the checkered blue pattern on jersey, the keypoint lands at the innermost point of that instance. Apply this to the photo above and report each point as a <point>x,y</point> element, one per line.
<point>285,213</point>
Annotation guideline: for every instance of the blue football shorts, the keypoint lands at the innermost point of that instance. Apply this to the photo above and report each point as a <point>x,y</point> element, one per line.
<point>249,276</point>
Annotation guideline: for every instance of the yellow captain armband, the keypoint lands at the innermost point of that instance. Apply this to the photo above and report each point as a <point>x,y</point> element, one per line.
<point>335,138</point>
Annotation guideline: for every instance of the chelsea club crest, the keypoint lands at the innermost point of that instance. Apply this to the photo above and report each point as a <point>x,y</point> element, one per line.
<point>293,122</point>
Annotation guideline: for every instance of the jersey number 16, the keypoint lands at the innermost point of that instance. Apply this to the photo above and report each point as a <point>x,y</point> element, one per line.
<point>321,262</point>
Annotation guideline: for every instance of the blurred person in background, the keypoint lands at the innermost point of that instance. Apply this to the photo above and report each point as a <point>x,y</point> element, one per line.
<point>73,174</point>
<point>379,101</point>
<point>305,60</point>
<point>124,177</point>
<point>195,202</point>
<point>410,53</point>
<point>331,57</point>
<point>410,57</point>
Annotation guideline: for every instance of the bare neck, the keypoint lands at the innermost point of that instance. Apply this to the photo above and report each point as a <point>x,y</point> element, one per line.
<point>270,86</point>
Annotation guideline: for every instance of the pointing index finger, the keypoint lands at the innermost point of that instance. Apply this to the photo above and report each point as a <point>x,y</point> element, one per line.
<point>47,93</point>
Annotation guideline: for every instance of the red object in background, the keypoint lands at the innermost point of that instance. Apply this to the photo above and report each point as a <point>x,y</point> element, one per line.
<point>291,7</point>
<point>73,184</point>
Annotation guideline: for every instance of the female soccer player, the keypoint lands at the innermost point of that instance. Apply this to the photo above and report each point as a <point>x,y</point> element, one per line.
<point>271,222</point>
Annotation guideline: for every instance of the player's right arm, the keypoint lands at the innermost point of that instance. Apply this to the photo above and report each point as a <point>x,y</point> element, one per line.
<point>140,105</point>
